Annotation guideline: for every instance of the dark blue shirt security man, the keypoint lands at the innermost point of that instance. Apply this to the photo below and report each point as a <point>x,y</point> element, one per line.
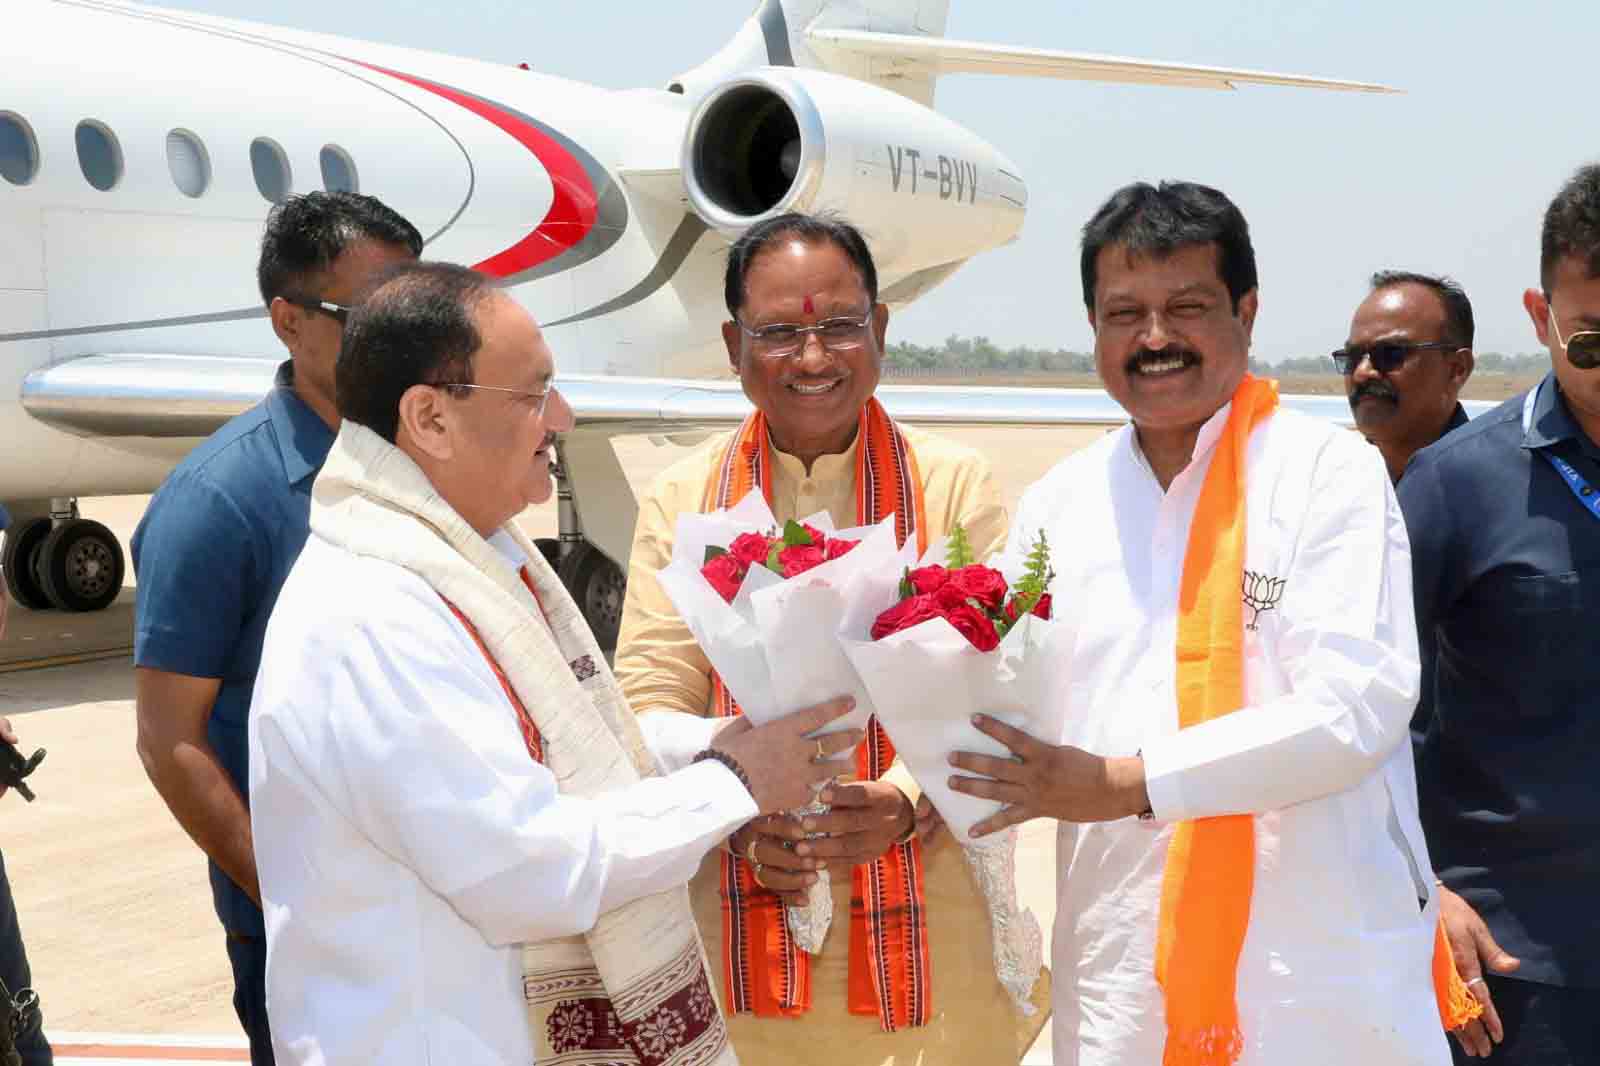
<point>217,542</point>
<point>1504,520</point>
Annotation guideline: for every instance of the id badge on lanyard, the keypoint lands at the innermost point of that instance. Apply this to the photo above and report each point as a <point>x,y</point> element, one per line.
<point>1579,485</point>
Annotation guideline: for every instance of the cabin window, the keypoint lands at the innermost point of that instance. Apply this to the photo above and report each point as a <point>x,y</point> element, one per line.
<point>270,166</point>
<point>19,151</point>
<point>99,155</point>
<point>338,170</point>
<point>188,162</point>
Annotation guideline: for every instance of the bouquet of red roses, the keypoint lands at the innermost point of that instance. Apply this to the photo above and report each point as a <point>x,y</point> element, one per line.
<point>800,548</point>
<point>764,602</point>
<point>976,600</point>
<point>938,639</point>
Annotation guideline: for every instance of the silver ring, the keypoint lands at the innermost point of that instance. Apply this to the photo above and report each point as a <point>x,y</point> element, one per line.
<point>1476,981</point>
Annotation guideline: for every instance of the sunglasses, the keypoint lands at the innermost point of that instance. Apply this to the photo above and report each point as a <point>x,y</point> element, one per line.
<point>1582,348</point>
<point>1386,356</point>
<point>338,312</point>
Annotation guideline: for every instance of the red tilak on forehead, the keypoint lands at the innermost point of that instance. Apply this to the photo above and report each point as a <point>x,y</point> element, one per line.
<point>810,308</point>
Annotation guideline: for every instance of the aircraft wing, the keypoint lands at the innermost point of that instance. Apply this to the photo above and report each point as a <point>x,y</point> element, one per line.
<point>147,395</point>
<point>939,55</point>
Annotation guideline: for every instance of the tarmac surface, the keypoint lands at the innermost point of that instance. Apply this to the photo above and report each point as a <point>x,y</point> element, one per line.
<point>112,895</point>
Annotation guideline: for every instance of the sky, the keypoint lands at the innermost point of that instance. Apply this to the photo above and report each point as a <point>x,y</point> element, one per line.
<point>1451,177</point>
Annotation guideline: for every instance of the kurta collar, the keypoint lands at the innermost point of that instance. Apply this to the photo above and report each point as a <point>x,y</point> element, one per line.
<point>826,468</point>
<point>1210,433</point>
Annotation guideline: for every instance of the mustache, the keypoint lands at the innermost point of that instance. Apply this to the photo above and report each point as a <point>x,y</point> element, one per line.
<point>1373,390</point>
<point>1147,355</point>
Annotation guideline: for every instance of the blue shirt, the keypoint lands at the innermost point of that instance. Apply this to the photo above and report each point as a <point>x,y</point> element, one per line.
<point>211,553</point>
<point>1507,570</point>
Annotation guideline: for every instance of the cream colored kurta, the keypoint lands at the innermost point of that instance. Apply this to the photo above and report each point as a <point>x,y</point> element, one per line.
<point>661,668</point>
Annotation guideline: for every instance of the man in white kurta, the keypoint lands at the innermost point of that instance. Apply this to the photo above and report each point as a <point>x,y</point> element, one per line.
<point>411,840</point>
<point>470,850</point>
<point>1335,961</point>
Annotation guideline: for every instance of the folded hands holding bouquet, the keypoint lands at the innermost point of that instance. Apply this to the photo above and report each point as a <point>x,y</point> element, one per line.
<point>794,615</point>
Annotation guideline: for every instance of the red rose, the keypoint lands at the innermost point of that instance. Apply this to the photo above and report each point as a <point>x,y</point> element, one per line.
<point>1041,609</point>
<point>725,574</point>
<point>949,596</point>
<point>837,548</point>
<point>926,579</point>
<point>799,559</point>
<point>817,539</point>
<point>914,610</point>
<point>982,584</point>
<point>751,548</point>
<point>975,626</point>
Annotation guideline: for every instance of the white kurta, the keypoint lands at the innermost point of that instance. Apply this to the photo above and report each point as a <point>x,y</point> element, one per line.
<point>407,844</point>
<point>1335,966</point>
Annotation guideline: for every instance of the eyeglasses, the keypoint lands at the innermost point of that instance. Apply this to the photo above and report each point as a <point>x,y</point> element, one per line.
<point>338,312</point>
<point>542,399</point>
<point>784,339</point>
<point>1386,356</point>
<point>1582,348</point>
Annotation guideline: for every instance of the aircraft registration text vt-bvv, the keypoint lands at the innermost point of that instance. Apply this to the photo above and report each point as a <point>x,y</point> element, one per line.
<point>141,148</point>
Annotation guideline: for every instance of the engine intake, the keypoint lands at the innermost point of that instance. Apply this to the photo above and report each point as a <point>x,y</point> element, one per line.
<point>755,147</point>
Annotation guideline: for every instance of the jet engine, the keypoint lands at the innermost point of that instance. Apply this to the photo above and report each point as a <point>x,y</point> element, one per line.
<point>780,139</point>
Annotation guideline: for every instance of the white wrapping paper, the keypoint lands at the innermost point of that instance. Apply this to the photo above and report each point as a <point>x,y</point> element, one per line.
<point>775,645</point>
<point>926,683</point>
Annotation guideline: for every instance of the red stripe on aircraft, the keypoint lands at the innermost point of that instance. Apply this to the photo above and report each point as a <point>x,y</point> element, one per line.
<point>573,205</point>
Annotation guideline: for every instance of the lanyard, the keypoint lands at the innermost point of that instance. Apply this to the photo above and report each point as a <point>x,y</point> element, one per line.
<point>1575,481</point>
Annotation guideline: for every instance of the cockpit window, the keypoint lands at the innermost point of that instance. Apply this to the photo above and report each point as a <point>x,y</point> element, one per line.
<point>270,166</point>
<point>19,151</point>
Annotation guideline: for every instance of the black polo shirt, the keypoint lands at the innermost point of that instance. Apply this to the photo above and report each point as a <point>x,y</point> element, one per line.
<point>1507,571</point>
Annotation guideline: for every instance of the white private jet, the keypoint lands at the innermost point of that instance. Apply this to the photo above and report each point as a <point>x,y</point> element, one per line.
<point>140,149</point>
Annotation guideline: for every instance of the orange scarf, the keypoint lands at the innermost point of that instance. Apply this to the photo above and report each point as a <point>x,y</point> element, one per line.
<point>1210,871</point>
<point>889,969</point>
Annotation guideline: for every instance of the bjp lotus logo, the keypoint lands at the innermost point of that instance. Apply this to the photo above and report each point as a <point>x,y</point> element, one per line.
<point>1261,593</point>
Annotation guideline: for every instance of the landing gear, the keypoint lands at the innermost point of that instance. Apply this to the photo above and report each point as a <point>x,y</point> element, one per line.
<point>62,561</point>
<point>598,585</point>
<point>595,582</point>
<point>18,559</point>
<point>80,566</point>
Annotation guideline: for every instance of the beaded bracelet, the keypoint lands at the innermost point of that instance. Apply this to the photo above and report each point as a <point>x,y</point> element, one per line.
<point>726,760</point>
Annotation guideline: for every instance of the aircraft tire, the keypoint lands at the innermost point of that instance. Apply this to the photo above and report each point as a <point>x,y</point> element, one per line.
<point>598,584</point>
<point>19,560</point>
<point>80,566</point>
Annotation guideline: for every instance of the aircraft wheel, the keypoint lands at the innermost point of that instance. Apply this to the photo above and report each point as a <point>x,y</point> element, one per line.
<point>19,560</point>
<point>598,584</point>
<point>80,566</point>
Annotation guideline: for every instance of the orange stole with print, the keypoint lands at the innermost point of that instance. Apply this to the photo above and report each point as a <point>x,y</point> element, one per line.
<point>890,971</point>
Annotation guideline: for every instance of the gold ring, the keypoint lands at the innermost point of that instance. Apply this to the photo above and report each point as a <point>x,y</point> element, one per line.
<point>750,850</point>
<point>756,874</point>
<point>821,752</point>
